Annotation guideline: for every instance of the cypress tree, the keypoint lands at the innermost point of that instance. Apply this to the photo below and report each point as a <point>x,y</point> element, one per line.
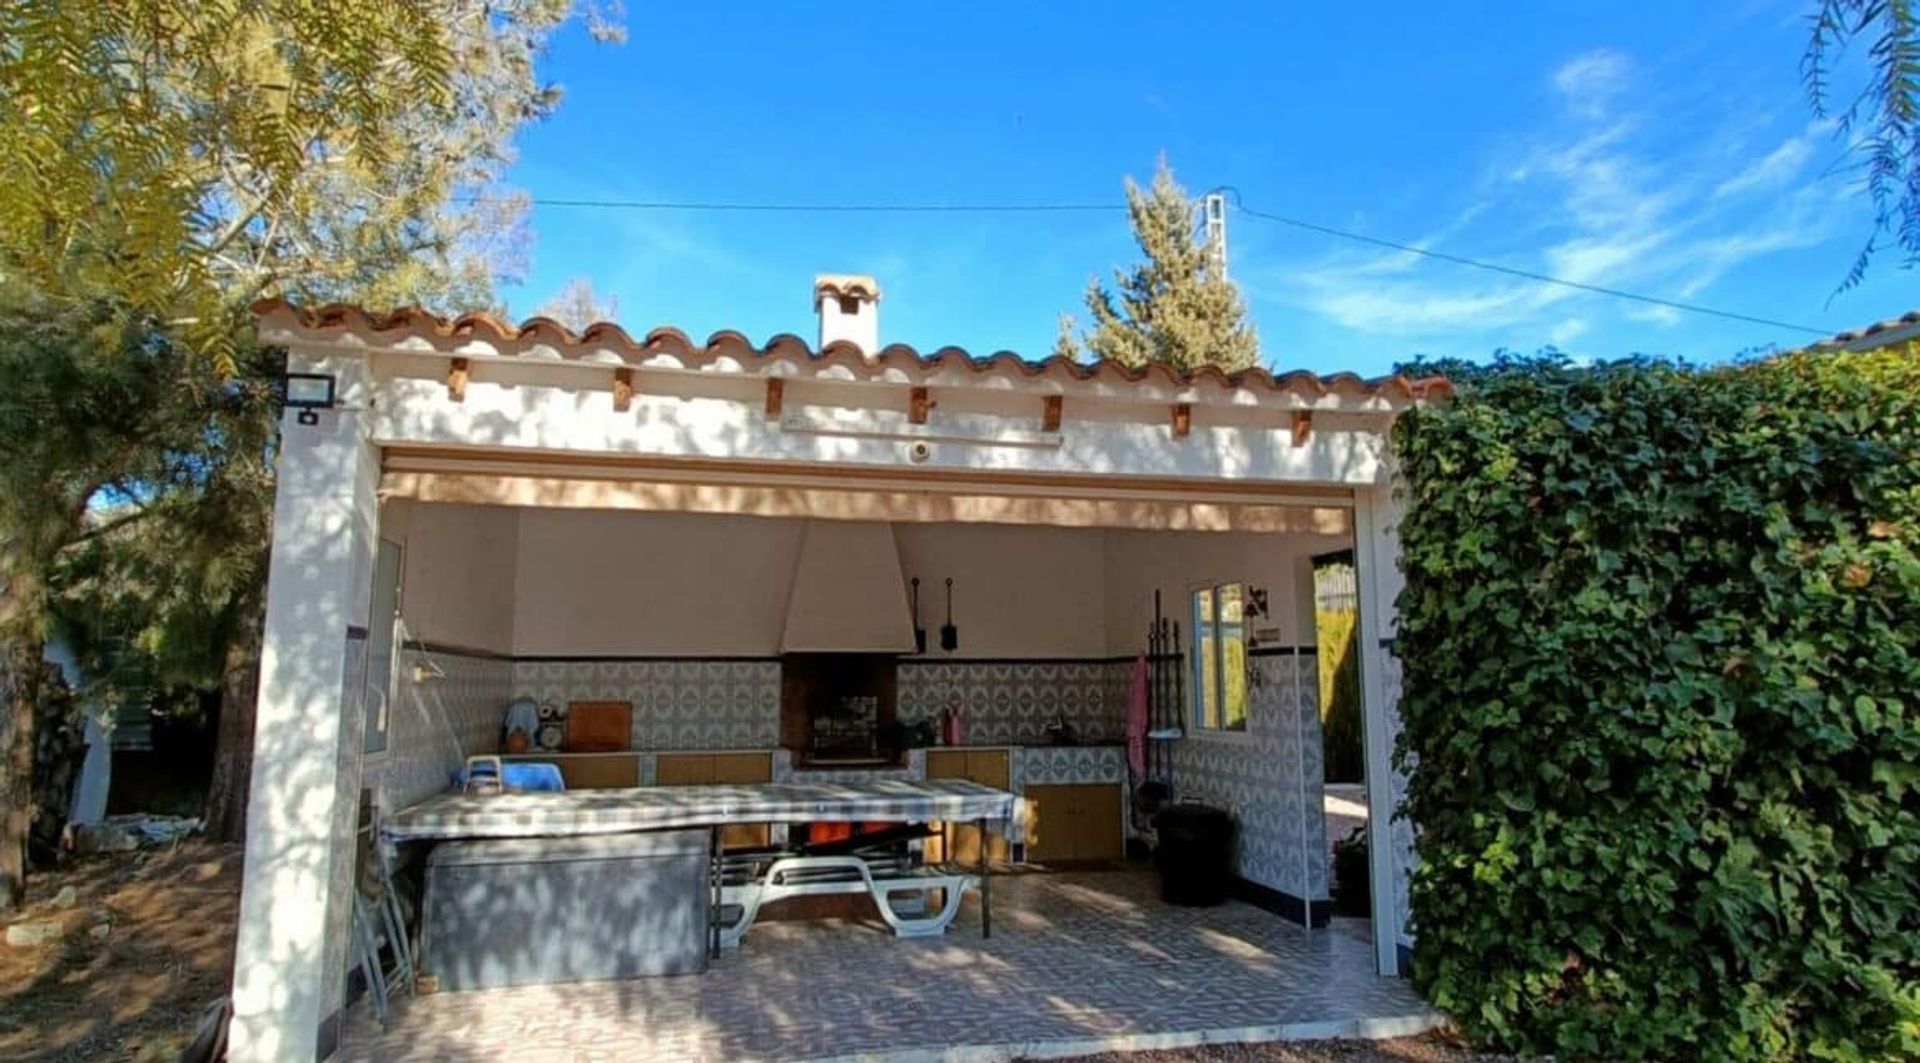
<point>1177,306</point>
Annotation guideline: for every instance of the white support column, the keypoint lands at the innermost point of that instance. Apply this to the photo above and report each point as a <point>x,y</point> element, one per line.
<point>295,900</point>
<point>1376,559</point>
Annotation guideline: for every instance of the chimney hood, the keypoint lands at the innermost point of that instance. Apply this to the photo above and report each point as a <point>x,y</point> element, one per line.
<point>848,594</point>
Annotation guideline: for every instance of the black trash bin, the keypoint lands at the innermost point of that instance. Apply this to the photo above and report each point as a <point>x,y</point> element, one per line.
<point>1195,854</point>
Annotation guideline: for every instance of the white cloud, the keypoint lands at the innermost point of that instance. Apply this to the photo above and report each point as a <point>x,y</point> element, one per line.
<point>1602,197</point>
<point>1589,82</point>
<point>1780,166</point>
<point>1566,331</point>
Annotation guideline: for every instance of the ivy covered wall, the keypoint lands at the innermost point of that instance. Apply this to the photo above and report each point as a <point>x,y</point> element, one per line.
<point>1661,648</point>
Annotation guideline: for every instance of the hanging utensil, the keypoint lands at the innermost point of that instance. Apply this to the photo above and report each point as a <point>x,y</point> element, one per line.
<point>919,633</point>
<point>949,635</point>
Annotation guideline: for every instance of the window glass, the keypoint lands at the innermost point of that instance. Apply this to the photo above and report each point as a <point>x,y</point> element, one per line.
<point>383,622</point>
<point>1220,657</point>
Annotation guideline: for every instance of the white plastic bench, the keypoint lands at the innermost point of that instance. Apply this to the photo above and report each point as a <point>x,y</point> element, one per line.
<point>818,876</point>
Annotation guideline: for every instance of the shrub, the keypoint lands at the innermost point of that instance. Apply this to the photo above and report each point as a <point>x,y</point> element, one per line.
<point>1661,650</point>
<point>1352,889</point>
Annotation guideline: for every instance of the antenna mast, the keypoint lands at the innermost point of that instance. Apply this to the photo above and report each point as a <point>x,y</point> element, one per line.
<point>1214,212</point>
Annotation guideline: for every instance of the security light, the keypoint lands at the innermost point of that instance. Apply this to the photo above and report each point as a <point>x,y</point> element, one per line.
<point>309,393</point>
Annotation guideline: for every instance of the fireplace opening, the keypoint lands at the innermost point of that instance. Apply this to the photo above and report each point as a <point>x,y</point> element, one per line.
<point>838,709</point>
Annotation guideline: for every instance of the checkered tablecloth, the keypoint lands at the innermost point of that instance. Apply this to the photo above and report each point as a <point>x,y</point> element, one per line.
<point>575,812</point>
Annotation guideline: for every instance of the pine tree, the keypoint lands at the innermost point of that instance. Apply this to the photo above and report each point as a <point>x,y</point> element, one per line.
<point>167,163</point>
<point>1177,307</point>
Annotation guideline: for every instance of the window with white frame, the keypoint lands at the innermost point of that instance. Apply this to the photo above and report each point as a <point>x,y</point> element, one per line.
<point>1220,657</point>
<point>383,629</point>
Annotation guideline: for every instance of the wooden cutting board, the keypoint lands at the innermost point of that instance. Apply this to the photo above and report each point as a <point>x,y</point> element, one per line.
<point>599,726</point>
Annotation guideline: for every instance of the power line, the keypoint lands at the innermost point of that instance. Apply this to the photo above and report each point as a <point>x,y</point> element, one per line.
<point>815,208</point>
<point>696,206</point>
<point>1543,278</point>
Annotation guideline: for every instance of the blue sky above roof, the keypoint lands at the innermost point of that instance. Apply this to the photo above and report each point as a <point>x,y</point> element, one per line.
<point>1666,150</point>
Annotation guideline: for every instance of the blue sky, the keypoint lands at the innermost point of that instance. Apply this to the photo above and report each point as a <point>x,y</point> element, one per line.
<point>1663,148</point>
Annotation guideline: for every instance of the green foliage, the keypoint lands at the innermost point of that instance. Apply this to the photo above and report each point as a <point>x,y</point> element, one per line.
<point>180,158</point>
<point>139,136</point>
<point>1661,639</point>
<point>1877,119</point>
<point>1177,307</point>
<point>1336,631</point>
<point>1352,886</point>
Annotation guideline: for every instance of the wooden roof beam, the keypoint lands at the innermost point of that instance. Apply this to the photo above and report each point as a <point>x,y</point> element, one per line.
<point>1050,413</point>
<point>623,389</point>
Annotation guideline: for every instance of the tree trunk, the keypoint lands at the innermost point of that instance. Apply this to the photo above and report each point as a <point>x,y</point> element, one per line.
<point>21,661</point>
<point>59,745</point>
<point>226,812</point>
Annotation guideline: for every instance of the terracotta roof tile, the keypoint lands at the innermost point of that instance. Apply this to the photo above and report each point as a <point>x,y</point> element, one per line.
<point>669,340</point>
<point>1853,337</point>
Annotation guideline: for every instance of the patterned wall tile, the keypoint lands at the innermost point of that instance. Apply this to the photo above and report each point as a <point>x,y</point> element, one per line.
<point>686,704</point>
<point>436,723</point>
<point>1270,777</point>
<point>1070,764</point>
<point>1012,702</point>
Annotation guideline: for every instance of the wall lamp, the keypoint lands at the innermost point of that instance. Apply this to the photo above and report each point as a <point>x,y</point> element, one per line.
<point>309,393</point>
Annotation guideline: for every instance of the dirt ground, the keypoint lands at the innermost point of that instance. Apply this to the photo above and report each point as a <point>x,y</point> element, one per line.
<point>136,989</point>
<point>1432,1048</point>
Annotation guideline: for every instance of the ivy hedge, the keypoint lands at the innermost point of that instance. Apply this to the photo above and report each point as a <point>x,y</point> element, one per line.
<point>1661,650</point>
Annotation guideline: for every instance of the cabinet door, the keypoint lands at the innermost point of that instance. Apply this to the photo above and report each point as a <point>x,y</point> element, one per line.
<point>600,773</point>
<point>742,768</point>
<point>683,769</point>
<point>1100,819</point>
<point>1074,822</point>
<point>1049,823</point>
<point>990,767</point>
<point>946,763</point>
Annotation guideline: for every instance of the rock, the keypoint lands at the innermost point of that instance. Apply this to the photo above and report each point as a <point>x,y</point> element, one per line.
<point>104,838</point>
<point>100,931</point>
<point>66,898</point>
<point>28,935</point>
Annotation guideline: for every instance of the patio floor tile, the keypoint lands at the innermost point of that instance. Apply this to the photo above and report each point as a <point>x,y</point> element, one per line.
<point>1076,959</point>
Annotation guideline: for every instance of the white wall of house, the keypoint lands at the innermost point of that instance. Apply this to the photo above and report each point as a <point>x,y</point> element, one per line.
<point>1139,563</point>
<point>1017,591</point>
<point>457,588</point>
<point>585,583</point>
<point>592,582</point>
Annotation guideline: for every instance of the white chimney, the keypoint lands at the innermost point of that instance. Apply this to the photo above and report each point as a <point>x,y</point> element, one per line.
<point>849,309</point>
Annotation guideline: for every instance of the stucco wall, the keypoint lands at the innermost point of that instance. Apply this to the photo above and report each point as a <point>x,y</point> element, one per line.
<point>457,587</point>
<point>593,583</point>
<point>1138,563</point>
<point>1018,591</point>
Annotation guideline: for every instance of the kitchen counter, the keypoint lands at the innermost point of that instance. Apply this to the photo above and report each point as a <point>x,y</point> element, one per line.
<point>1038,763</point>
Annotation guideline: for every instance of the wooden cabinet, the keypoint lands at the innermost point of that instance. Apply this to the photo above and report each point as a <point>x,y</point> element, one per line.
<point>988,767</point>
<point>1074,823</point>
<point>592,771</point>
<point>706,769</point>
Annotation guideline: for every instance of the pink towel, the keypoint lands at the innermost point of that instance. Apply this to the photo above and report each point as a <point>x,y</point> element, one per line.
<point>1137,718</point>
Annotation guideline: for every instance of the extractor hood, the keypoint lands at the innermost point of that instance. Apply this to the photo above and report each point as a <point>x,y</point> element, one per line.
<point>848,594</point>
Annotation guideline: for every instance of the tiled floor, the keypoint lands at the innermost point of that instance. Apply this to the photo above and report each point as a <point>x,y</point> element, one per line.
<point>1078,962</point>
